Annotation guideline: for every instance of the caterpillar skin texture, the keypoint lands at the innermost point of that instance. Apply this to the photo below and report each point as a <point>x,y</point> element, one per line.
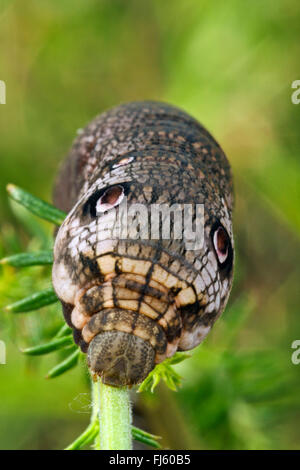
<point>134,302</point>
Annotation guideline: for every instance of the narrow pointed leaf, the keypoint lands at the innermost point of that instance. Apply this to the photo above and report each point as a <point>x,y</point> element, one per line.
<point>178,357</point>
<point>29,259</point>
<point>63,331</point>
<point>65,365</point>
<point>31,224</point>
<point>35,205</point>
<point>33,302</point>
<point>49,347</point>
<point>155,381</point>
<point>145,437</point>
<point>146,384</point>
<point>165,372</point>
<point>149,442</point>
<point>87,437</point>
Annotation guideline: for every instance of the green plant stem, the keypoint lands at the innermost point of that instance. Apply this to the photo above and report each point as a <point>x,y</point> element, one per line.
<point>114,416</point>
<point>91,435</point>
<point>92,431</point>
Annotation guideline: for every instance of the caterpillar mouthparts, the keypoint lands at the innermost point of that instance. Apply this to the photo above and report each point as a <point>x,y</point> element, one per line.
<point>120,358</point>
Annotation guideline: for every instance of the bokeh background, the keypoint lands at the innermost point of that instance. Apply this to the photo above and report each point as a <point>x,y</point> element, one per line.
<point>231,65</point>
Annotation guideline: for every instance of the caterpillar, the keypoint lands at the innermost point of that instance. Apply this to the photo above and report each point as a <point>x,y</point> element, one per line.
<point>133,301</point>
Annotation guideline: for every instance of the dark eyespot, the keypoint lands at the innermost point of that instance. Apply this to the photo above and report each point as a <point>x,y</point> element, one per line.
<point>105,199</point>
<point>222,245</point>
<point>111,198</point>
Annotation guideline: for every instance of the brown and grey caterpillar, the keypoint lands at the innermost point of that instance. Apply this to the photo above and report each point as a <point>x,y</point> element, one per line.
<point>134,301</point>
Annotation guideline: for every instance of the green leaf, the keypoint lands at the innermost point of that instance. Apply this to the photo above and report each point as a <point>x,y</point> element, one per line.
<point>86,438</point>
<point>21,260</point>
<point>177,358</point>
<point>35,205</point>
<point>33,302</point>
<point>63,331</point>
<point>145,437</point>
<point>90,433</point>
<point>33,226</point>
<point>46,348</point>
<point>65,365</point>
<point>164,372</point>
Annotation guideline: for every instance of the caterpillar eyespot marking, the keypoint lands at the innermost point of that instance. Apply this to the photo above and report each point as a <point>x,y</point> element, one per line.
<point>104,199</point>
<point>222,246</point>
<point>111,198</point>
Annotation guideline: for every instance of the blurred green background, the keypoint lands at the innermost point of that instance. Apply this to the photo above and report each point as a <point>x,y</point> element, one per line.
<point>231,65</point>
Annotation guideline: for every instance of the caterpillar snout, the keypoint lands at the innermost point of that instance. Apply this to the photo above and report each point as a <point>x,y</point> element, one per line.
<point>120,358</point>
